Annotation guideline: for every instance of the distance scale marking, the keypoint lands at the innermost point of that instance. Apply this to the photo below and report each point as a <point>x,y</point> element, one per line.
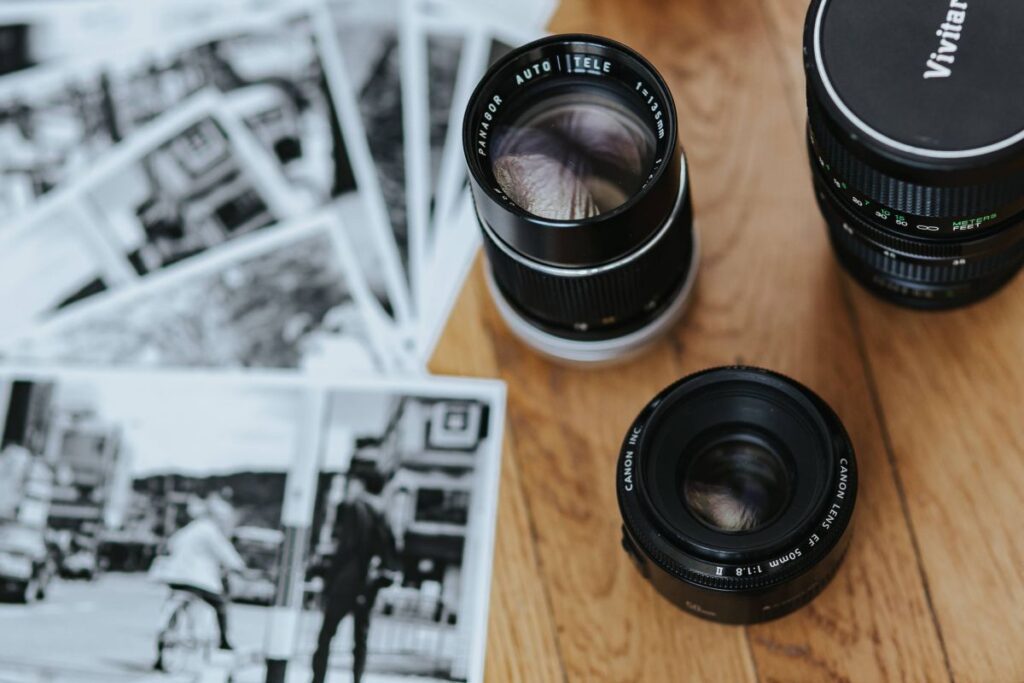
<point>902,222</point>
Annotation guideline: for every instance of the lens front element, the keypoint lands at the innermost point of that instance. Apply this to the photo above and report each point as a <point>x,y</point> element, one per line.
<point>573,156</point>
<point>736,485</point>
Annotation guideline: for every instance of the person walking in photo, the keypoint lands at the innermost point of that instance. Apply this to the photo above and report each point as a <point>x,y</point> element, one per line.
<point>199,556</point>
<point>360,566</point>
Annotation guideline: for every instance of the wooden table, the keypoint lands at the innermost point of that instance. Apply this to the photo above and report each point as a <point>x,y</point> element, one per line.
<point>933,587</point>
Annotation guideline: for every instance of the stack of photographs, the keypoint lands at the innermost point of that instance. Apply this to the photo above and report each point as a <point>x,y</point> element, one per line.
<point>231,233</point>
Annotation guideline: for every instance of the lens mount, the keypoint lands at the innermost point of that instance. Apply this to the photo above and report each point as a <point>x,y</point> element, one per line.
<point>736,487</point>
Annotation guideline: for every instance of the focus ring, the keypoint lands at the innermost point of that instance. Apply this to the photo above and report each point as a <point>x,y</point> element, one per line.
<point>1003,244</point>
<point>607,299</point>
<point>912,198</point>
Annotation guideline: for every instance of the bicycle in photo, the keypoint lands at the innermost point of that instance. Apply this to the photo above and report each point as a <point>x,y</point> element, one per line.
<point>188,638</point>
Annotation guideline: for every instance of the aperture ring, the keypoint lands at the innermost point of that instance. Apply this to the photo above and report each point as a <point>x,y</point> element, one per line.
<point>600,302</point>
<point>923,272</point>
<point>1004,197</point>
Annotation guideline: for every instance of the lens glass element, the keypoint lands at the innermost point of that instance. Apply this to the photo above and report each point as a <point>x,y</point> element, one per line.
<point>574,155</point>
<point>735,485</point>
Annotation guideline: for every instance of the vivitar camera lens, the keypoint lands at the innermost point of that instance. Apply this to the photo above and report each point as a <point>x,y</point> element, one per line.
<point>916,134</point>
<point>736,487</point>
<point>581,192</point>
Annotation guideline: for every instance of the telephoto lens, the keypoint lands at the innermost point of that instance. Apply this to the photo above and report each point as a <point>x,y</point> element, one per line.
<point>581,192</point>
<point>916,136</point>
<point>736,487</point>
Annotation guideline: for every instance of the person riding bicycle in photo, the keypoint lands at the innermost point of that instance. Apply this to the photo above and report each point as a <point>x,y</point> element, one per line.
<point>199,555</point>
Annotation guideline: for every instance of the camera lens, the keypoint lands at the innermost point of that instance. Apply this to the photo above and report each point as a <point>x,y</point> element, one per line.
<point>581,192</point>
<point>916,137</point>
<point>736,487</point>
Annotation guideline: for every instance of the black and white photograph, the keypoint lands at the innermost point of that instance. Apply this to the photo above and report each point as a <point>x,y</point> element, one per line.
<point>142,522</point>
<point>210,527</point>
<point>186,183</point>
<point>291,297</point>
<point>367,39</point>
<point>401,535</point>
<point>33,33</point>
<point>52,260</point>
<point>454,233</point>
<point>432,42</point>
<point>60,117</point>
<point>444,51</point>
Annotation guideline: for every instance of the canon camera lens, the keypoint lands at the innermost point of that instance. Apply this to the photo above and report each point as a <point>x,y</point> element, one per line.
<point>736,487</point>
<point>581,193</point>
<point>916,134</point>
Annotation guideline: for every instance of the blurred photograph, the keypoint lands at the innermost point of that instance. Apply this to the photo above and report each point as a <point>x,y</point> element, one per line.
<point>32,33</point>
<point>289,298</point>
<point>432,38</point>
<point>444,51</point>
<point>453,238</point>
<point>367,36</point>
<point>55,120</point>
<point>188,182</point>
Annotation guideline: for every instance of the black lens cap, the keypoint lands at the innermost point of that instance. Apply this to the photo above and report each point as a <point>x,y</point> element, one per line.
<point>937,82</point>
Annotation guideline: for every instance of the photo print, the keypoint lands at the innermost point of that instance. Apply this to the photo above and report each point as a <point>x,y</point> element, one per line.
<point>432,43</point>
<point>363,40</point>
<point>127,501</point>
<point>184,184</point>
<point>401,534</point>
<point>33,33</point>
<point>291,297</point>
<point>268,65</point>
<point>320,531</point>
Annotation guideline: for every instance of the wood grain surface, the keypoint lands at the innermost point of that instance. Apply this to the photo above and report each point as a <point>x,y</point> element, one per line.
<point>933,586</point>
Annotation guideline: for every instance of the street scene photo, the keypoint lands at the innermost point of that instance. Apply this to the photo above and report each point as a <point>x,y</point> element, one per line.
<point>146,548</point>
<point>397,549</point>
<point>214,528</point>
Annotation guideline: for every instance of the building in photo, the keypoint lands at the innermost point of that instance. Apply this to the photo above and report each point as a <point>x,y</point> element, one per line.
<point>425,460</point>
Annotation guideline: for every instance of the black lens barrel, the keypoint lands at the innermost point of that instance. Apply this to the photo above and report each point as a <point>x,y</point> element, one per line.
<point>743,577</point>
<point>583,244</point>
<point>924,190</point>
<point>612,300</point>
<point>916,141</point>
<point>600,277</point>
<point>919,273</point>
<point>505,90</point>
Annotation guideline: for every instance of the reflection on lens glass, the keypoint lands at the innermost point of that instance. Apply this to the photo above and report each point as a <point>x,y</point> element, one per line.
<point>574,156</point>
<point>736,486</point>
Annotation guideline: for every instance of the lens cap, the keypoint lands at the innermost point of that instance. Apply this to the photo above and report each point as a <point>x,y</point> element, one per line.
<point>935,80</point>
